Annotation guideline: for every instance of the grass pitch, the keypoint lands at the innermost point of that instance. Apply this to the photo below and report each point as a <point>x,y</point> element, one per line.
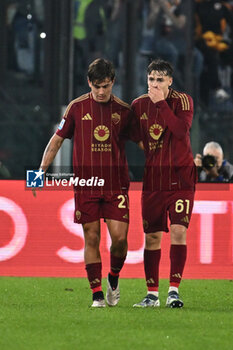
<point>55,314</point>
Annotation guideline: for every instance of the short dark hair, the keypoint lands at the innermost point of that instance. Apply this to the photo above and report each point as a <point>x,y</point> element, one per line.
<point>100,69</point>
<point>160,66</point>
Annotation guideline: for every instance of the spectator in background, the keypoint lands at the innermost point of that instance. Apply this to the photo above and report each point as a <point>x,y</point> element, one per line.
<point>164,16</point>
<point>212,167</point>
<point>24,25</point>
<point>229,4</point>
<point>168,20</point>
<point>24,21</point>
<point>12,58</point>
<point>113,9</point>
<point>95,24</point>
<point>211,19</point>
<point>89,38</point>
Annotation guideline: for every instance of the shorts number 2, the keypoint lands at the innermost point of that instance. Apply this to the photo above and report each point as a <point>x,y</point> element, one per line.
<point>123,201</point>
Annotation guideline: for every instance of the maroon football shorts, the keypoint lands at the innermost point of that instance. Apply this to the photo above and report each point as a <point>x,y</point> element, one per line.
<point>156,206</point>
<point>89,208</point>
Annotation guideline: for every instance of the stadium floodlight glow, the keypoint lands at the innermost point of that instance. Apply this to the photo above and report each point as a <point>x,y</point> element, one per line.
<point>29,16</point>
<point>43,35</point>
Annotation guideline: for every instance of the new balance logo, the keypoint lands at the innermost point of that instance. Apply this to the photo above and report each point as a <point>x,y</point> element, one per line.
<point>87,117</point>
<point>144,116</point>
<point>185,219</point>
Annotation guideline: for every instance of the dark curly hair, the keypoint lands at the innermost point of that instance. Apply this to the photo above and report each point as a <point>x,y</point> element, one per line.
<point>160,66</point>
<point>100,69</point>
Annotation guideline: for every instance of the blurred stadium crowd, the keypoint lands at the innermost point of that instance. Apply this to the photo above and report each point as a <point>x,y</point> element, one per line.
<point>48,45</point>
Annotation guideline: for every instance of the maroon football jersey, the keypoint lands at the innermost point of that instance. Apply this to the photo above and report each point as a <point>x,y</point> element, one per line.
<point>165,132</point>
<point>99,131</point>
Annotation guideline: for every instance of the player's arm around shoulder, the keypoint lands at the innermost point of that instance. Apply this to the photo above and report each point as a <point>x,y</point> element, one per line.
<point>136,128</point>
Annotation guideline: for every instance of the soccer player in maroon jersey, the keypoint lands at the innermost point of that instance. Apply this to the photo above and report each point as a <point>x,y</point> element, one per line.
<point>164,117</point>
<point>99,123</point>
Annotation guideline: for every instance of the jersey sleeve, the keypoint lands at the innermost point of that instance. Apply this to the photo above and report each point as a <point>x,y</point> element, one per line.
<point>178,122</point>
<point>134,128</point>
<point>131,130</point>
<point>66,127</point>
<point>135,133</point>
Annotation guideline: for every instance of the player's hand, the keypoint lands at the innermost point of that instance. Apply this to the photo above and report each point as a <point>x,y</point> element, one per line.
<point>140,145</point>
<point>213,172</point>
<point>35,191</point>
<point>156,94</point>
<point>198,160</point>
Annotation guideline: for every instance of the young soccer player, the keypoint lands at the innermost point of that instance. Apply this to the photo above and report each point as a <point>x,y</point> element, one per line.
<point>164,118</point>
<point>99,124</point>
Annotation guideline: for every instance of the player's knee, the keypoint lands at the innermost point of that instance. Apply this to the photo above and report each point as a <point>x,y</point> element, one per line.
<point>178,234</point>
<point>153,239</point>
<point>119,243</point>
<point>92,238</point>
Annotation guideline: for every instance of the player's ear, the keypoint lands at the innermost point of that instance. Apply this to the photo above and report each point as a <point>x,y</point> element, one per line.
<point>170,81</point>
<point>89,83</point>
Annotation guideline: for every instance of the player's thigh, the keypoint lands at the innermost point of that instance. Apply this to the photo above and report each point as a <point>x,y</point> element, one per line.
<point>87,208</point>
<point>180,207</point>
<point>118,230</point>
<point>116,207</point>
<point>154,212</point>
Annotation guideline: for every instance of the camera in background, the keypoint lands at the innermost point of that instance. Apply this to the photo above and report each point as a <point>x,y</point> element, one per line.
<point>208,162</point>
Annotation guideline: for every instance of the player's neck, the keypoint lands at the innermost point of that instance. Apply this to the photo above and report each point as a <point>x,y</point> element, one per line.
<point>99,101</point>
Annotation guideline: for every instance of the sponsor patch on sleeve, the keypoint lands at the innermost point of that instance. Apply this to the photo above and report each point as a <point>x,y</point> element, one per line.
<point>60,126</point>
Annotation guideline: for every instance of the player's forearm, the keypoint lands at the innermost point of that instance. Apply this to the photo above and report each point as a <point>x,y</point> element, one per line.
<point>50,151</point>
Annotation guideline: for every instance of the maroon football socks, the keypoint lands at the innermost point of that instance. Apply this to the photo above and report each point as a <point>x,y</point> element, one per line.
<point>151,266</point>
<point>178,254</point>
<point>116,264</point>
<point>94,275</point>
